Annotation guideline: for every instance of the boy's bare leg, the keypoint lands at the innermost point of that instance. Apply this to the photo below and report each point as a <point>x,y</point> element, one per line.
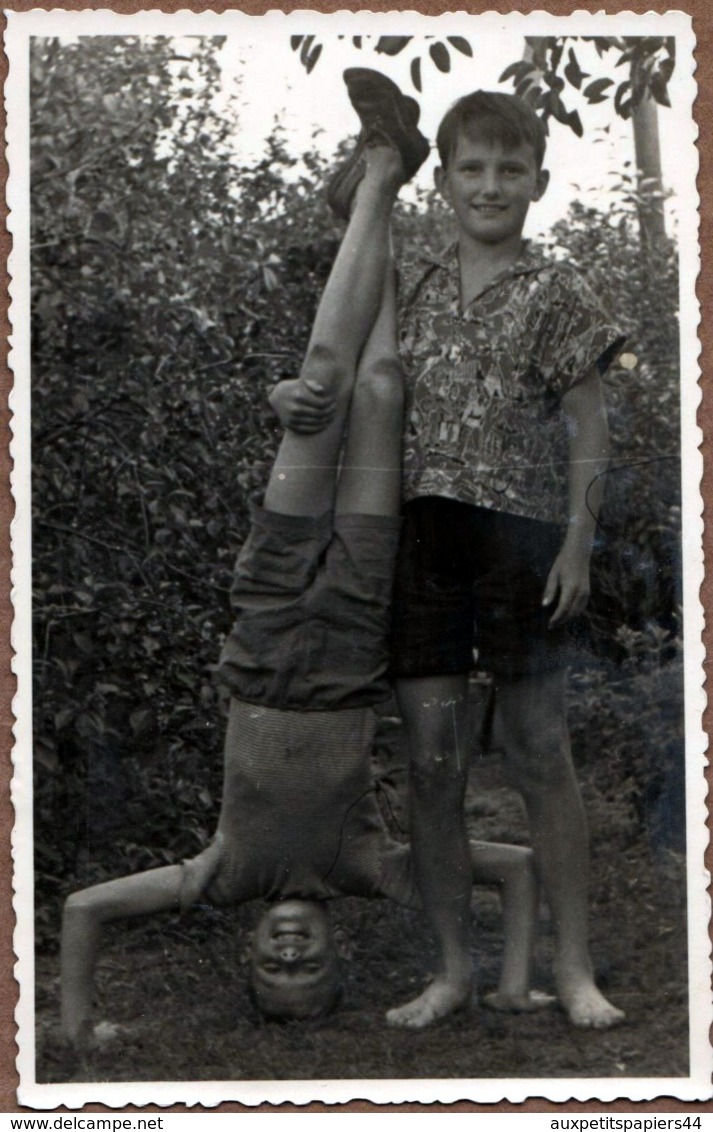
<point>84,915</point>
<point>534,720</point>
<point>435,713</point>
<point>370,478</point>
<point>303,477</point>
<point>511,868</point>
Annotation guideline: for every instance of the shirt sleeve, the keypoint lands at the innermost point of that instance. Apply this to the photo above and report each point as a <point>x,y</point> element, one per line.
<point>576,334</point>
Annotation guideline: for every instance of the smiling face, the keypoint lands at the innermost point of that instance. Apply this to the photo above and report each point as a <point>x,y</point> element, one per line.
<point>295,967</point>
<point>490,188</point>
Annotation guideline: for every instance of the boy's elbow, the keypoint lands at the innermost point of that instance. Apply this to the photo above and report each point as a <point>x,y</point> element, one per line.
<point>82,907</point>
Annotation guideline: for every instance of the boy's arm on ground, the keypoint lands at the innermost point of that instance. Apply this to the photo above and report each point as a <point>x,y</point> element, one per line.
<point>302,406</point>
<point>585,414</point>
<point>511,868</point>
<point>84,915</point>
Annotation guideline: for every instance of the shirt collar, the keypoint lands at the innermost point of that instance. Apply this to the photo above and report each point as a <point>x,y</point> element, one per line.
<point>530,259</point>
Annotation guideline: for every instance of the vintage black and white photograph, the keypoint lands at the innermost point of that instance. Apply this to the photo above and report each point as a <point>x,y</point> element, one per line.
<point>321,323</point>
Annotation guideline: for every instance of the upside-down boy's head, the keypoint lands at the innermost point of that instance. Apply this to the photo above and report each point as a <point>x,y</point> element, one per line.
<point>295,968</point>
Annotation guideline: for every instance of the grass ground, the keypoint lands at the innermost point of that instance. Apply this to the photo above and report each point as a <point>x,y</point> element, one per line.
<point>177,986</point>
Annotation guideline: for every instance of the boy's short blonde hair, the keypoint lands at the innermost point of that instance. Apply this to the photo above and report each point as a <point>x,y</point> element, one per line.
<point>494,117</point>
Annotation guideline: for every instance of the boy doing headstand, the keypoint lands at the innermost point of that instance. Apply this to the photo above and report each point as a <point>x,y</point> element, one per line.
<point>306,661</point>
<point>505,445</point>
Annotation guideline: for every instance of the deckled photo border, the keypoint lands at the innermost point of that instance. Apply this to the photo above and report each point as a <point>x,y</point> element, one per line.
<point>697,1086</point>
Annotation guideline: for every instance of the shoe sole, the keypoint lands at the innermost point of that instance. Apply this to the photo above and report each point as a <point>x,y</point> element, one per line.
<point>381,105</point>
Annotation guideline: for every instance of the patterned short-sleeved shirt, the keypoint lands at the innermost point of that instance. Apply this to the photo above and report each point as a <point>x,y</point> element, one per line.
<point>484,421</point>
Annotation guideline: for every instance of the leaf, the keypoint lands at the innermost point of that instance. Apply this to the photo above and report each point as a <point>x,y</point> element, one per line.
<point>573,72</point>
<point>622,99</point>
<point>517,70</point>
<point>312,58</point>
<point>440,56</point>
<point>305,49</point>
<point>46,754</point>
<point>416,73</point>
<point>657,87</point>
<point>269,278</point>
<point>592,92</point>
<point>392,44</point>
<point>84,643</point>
<point>535,96</point>
<point>603,44</point>
<point>62,718</point>
<point>556,107</point>
<point>295,41</point>
<point>553,81</point>
<point>461,45</point>
<point>141,720</point>
<point>522,88</point>
<point>575,123</point>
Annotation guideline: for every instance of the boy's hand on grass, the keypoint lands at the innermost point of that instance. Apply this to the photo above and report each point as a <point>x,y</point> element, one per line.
<point>568,584</point>
<point>302,406</point>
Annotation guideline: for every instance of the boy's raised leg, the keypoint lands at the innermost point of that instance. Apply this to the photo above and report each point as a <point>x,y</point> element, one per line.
<point>435,712</point>
<point>370,476</point>
<point>533,716</point>
<point>303,477</point>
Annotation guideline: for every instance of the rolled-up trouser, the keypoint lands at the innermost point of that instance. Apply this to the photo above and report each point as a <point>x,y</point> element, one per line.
<point>312,601</point>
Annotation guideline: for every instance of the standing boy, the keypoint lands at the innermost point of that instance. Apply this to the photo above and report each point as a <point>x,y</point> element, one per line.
<point>506,443</point>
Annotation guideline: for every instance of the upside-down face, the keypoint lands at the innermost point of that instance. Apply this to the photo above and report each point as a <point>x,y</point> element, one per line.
<point>295,967</point>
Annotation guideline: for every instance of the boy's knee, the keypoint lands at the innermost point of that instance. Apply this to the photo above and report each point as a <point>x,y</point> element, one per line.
<point>379,389</point>
<point>437,776</point>
<point>78,905</point>
<point>324,366</point>
<point>536,766</point>
<point>88,903</point>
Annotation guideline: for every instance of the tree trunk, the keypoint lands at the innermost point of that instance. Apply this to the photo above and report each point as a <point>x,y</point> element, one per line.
<point>644,118</point>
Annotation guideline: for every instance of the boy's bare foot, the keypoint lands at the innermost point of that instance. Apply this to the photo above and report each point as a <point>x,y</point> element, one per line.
<point>519,1003</point>
<point>373,156</point>
<point>383,165</point>
<point>439,999</point>
<point>585,1005</point>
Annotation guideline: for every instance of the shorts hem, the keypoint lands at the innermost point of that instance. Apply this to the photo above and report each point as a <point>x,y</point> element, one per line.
<point>280,703</point>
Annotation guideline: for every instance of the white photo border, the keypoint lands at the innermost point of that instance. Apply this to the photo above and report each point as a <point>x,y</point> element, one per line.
<point>21,26</point>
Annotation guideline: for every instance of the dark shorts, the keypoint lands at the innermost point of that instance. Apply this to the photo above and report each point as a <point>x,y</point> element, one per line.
<point>312,602</point>
<point>471,578</point>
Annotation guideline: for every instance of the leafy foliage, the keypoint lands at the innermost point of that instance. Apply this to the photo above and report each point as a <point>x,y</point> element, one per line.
<point>636,566</point>
<point>170,289</point>
<point>543,75</point>
<point>438,50</point>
